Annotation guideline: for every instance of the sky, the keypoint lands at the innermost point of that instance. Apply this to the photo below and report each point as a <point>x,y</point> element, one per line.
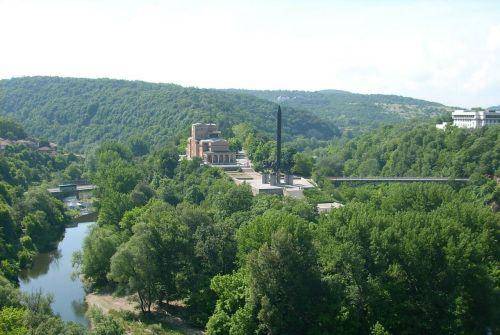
<point>444,51</point>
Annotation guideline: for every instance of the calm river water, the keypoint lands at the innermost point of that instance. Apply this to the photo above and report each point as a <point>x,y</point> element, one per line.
<point>51,272</point>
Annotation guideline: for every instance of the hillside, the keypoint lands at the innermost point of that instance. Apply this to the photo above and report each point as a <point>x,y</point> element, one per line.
<point>78,113</point>
<point>351,110</point>
<point>409,150</point>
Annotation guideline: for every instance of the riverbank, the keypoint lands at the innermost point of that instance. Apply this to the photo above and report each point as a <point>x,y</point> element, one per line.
<point>171,325</point>
<point>106,303</point>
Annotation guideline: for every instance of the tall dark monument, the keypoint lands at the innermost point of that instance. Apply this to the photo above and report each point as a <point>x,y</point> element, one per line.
<point>274,179</point>
<point>277,166</point>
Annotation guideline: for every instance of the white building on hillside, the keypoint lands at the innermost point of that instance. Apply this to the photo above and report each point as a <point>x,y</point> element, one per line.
<point>442,126</point>
<point>475,119</point>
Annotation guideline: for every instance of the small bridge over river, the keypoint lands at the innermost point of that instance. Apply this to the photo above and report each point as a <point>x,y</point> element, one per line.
<point>67,190</point>
<point>398,179</point>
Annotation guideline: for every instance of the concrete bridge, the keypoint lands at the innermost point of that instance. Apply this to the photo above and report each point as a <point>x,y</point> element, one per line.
<point>66,190</point>
<point>398,179</point>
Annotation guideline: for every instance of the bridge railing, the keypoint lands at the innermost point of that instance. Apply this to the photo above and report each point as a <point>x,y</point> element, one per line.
<point>399,179</point>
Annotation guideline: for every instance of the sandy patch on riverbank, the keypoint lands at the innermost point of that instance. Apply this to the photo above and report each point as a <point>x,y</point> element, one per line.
<point>107,302</point>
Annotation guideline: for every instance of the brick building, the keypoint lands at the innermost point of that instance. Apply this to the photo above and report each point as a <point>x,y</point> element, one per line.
<point>205,142</point>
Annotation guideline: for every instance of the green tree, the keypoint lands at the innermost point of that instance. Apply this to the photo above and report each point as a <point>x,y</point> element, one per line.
<point>133,266</point>
<point>228,198</point>
<point>302,165</point>
<point>43,217</point>
<point>117,175</point>
<point>166,160</point>
<point>381,258</point>
<point>141,194</point>
<point>12,321</point>
<point>253,234</point>
<point>169,191</point>
<point>74,172</point>
<point>194,195</point>
<point>11,129</point>
<point>288,159</point>
<point>285,286</point>
<point>149,263</point>
<point>9,294</point>
<point>378,329</point>
<point>98,247</point>
<point>214,252</point>
<point>38,229</point>
<point>9,232</point>
<point>138,146</point>
<point>231,315</point>
<point>112,207</point>
<point>369,168</point>
<point>104,324</point>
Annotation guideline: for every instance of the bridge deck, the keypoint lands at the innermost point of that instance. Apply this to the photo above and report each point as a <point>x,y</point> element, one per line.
<point>399,179</point>
<point>79,188</point>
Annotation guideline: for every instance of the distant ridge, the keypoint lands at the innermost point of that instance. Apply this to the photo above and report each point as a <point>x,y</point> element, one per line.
<point>78,112</point>
<point>352,110</point>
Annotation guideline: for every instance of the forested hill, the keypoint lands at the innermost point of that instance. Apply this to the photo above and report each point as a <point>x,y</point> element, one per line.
<point>80,112</point>
<point>409,150</point>
<point>354,111</point>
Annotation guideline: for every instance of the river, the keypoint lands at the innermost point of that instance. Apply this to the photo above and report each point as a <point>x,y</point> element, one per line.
<point>52,273</point>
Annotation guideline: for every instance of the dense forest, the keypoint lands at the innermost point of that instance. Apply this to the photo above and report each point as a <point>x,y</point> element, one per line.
<point>78,113</point>
<point>354,112</point>
<point>179,231</point>
<point>414,150</point>
<point>393,150</point>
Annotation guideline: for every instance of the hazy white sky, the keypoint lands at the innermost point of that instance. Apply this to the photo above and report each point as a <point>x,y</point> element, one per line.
<point>445,51</point>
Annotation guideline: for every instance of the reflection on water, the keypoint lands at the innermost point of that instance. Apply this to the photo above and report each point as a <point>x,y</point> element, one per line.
<point>51,272</point>
<point>41,264</point>
<point>79,307</point>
